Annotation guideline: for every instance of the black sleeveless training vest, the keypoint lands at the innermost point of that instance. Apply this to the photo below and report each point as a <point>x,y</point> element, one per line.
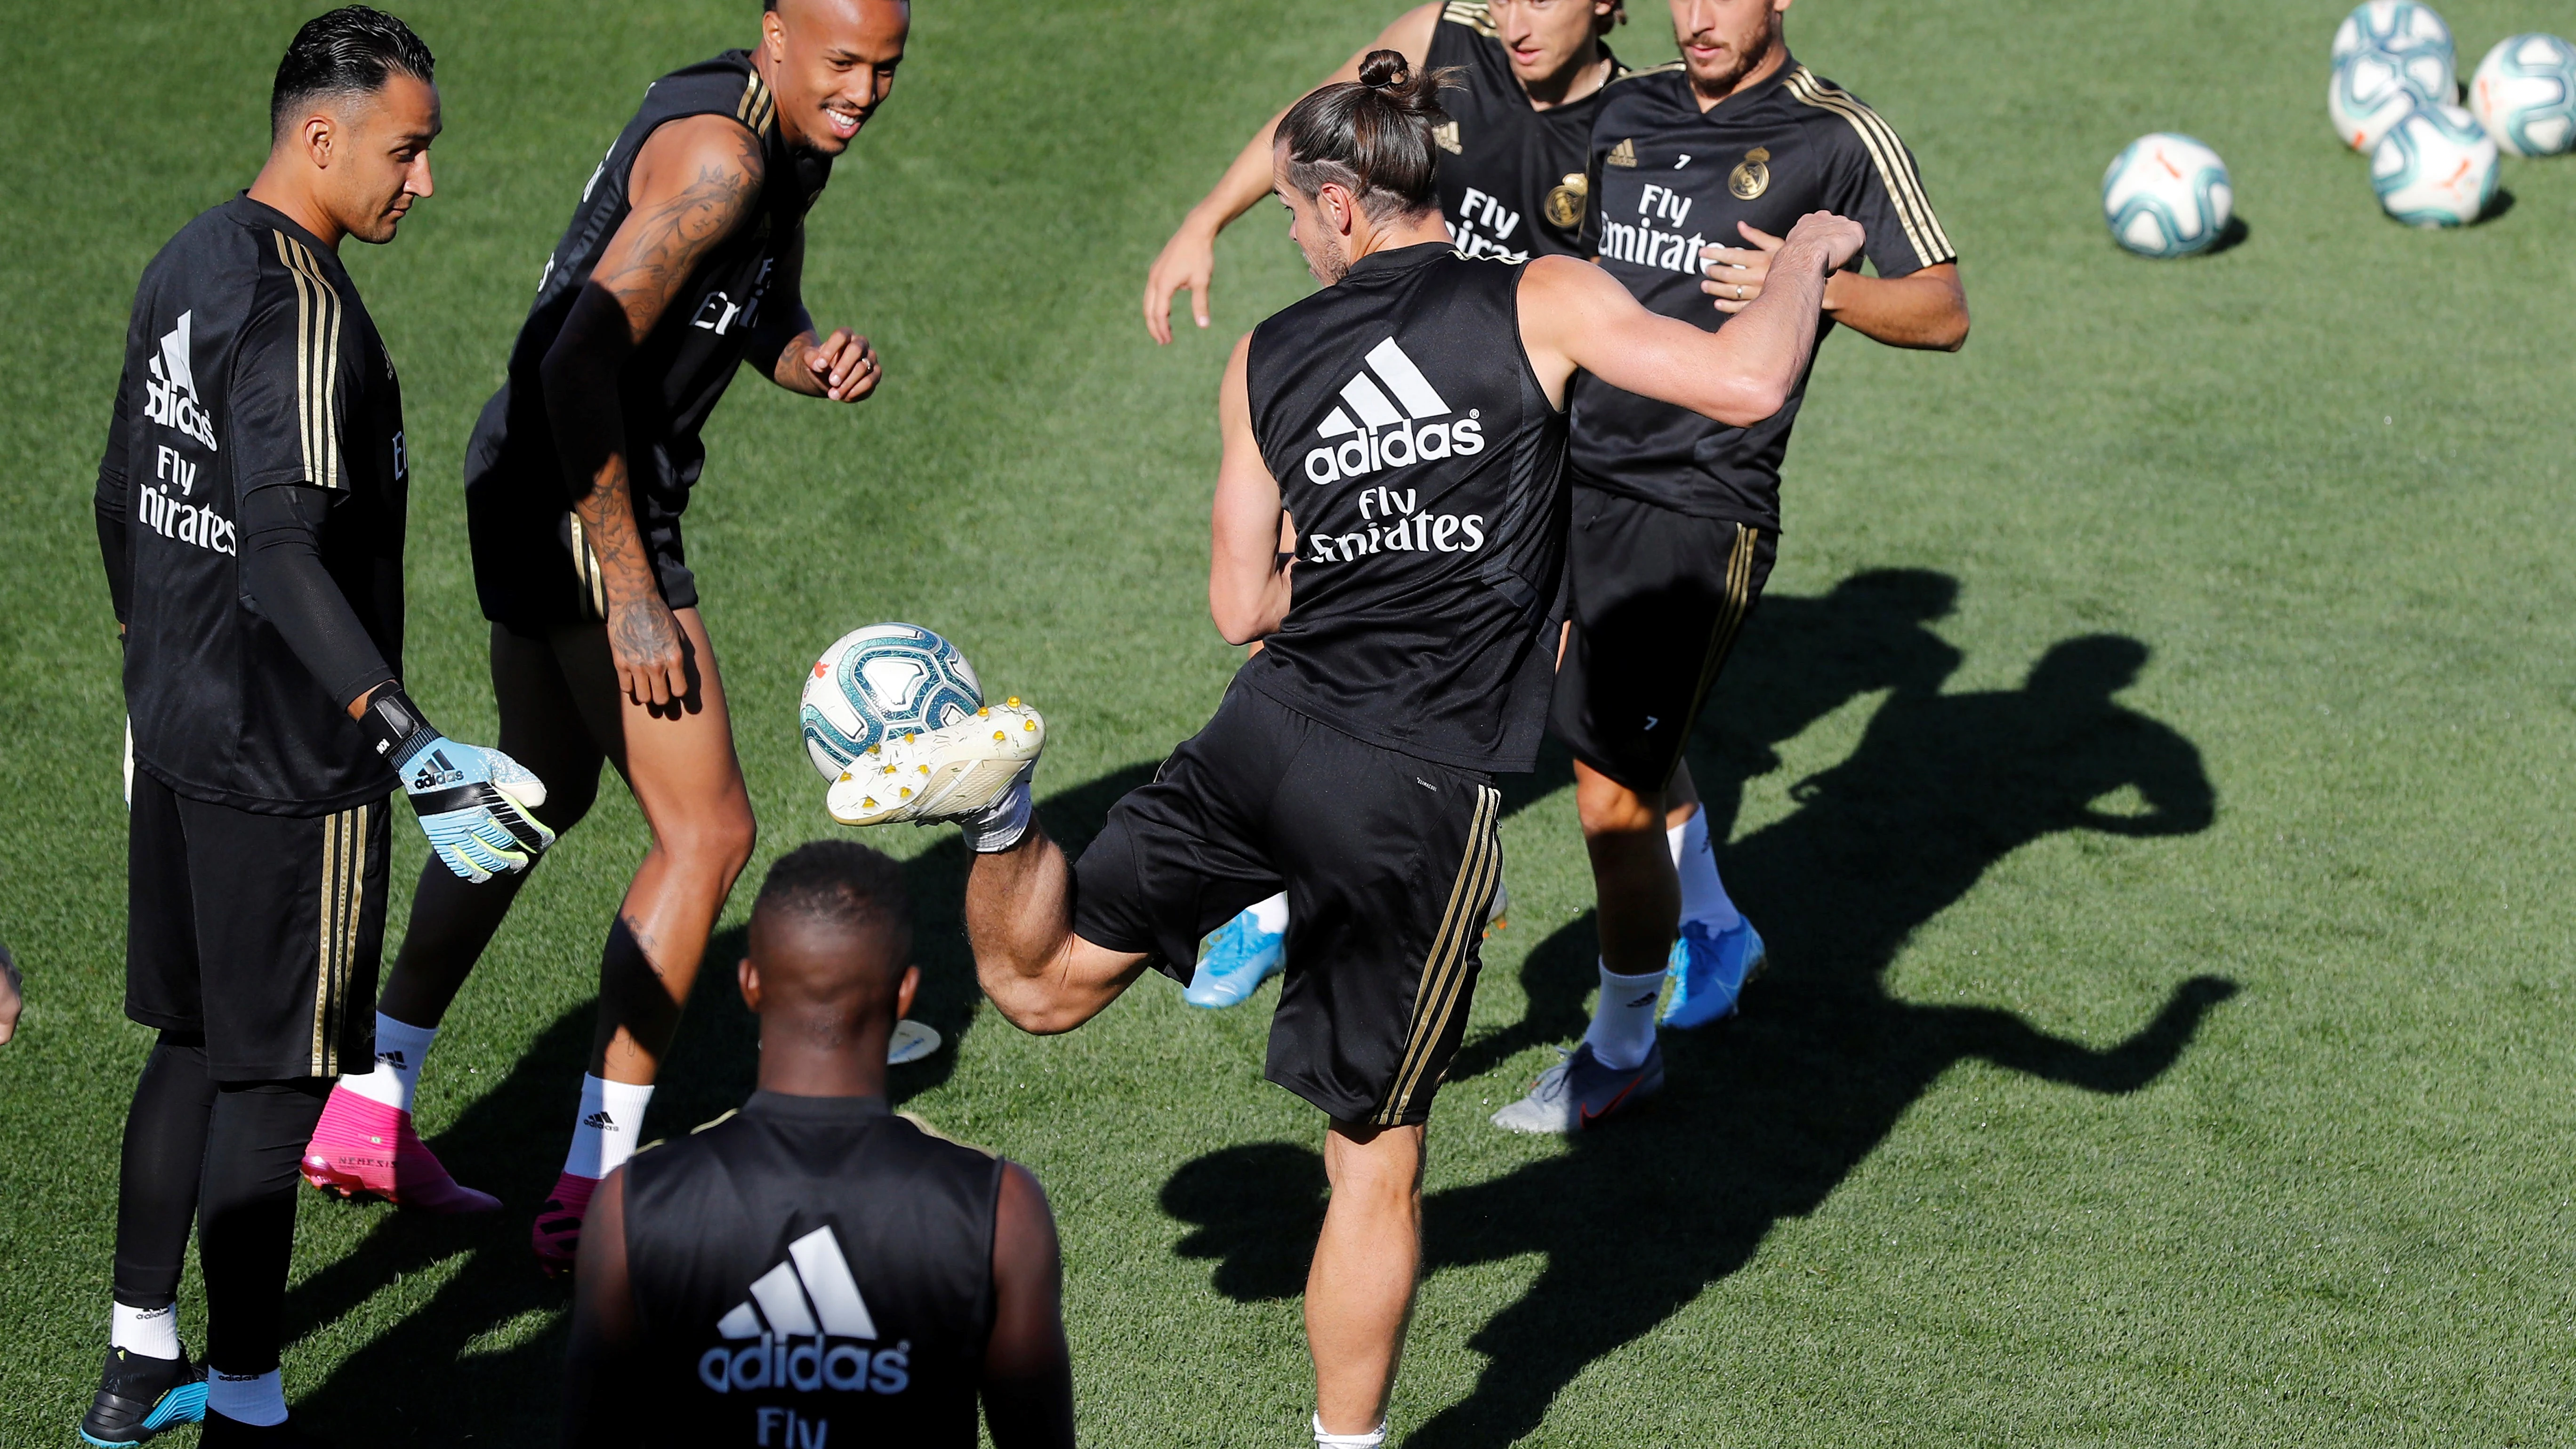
<point>1425,471</point>
<point>813,1273</point>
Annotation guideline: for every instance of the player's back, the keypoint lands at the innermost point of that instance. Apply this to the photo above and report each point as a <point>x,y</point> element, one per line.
<point>1423,465</point>
<point>813,1271</point>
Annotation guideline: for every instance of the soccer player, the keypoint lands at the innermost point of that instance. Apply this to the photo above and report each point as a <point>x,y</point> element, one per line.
<point>1512,185</point>
<point>682,262</point>
<point>1676,516</point>
<point>1394,445</point>
<point>10,998</point>
<point>250,516</point>
<point>812,1269</point>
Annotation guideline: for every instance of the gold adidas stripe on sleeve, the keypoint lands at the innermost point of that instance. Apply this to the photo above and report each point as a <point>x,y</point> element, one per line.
<point>317,362</point>
<point>1474,14</point>
<point>759,105</point>
<point>1445,977</point>
<point>1895,168</point>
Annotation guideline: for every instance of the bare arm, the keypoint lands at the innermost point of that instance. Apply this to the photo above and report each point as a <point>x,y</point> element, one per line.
<point>1028,1372</point>
<point>1577,316</point>
<point>694,182</point>
<point>599,1402</point>
<point>1926,309</point>
<point>1189,258</point>
<point>842,367</point>
<point>1251,546</point>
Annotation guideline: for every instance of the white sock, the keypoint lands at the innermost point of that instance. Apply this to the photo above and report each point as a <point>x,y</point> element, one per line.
<point>151,1332</point>
<point>609,1127</point>
<point>999,826</point>
<point>400,1049</point>
<point>1370,1440</point>
<point>1695,861</point>
<point>257,1399</point>
<point>1623,1020</point>
<point>1270,917</point>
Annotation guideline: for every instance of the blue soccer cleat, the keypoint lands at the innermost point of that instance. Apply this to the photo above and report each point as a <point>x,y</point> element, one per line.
<point>1234,961</point>
<point>139,1396</point>
<point>1709,972</point>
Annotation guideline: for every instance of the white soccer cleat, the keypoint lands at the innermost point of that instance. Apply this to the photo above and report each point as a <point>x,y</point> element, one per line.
<point>948,773</point>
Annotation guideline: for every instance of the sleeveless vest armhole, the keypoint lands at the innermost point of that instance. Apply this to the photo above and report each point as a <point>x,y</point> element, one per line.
<point>926,1130</point>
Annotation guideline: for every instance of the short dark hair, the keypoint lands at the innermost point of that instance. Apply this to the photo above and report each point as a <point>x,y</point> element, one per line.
<point>350,51</point>
<point>837,882</point>
<point>1371,136</point>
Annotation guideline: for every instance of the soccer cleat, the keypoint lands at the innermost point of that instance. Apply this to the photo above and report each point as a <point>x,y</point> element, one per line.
<point>943,774</point>
<point>363,1146</point>
<point>1709,972</point>
<point>1237,958</point>
<point>556,1234</point>
<point>139,1396</point>
<point>223,1433</point>
<point>1579,1091</point>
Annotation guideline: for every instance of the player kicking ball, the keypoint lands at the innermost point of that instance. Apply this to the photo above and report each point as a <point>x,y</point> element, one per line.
<point>1394,445</point>
<point>1699,168</point>
<point>683,261</point>
<point>1530,75</point>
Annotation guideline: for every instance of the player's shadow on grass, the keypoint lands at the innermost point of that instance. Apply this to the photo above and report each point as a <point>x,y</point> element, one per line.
<point>479,1361</point>
<point>1763,1119</point>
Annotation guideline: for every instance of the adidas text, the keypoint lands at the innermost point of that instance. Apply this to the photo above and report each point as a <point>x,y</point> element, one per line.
<point>170,393</point>
<point>1400,446</point>
<point>806,1365</point>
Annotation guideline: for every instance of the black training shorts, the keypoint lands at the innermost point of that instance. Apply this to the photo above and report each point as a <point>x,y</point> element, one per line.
<point>533,567</point>
<point>1390,864</point>
<point>1659,597</point>
<point>262,932</point>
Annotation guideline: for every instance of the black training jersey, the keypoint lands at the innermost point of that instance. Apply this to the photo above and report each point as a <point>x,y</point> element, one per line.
<point>1670,179</point>
<point>250,361</point>
<point>675,378</point>
<point>1512,181</point>
<point>1425,470</point>
<point>813,1271</point>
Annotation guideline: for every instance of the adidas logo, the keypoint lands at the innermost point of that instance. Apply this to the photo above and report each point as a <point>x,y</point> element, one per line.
<point>809,1297</point>
<point>600,1120</point>
<point>1386,435</point>
<point>170,394</point>
<point>436,772</point>
<point>1623,154</point>
<point>393,1059</point>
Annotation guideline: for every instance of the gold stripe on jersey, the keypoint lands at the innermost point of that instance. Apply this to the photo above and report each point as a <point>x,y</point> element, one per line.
<point>336,920</point>
<point>586,578</point>
<point>759,105</point>
<point>1445,977</point>
<point>317,362</point>
<point>1476,15</point>
<point>1895,168</point>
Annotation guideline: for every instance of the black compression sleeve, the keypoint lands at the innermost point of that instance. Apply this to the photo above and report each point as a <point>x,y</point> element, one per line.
<point>281,569</point>
<point>111,552</point>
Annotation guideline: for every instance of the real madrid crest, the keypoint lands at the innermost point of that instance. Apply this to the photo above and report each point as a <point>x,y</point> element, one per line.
<point>1752,176</point>
<point>1565,201</point>
<point>1446,133</point>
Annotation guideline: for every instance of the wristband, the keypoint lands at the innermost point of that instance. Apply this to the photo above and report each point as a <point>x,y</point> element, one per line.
<point>396,726</point>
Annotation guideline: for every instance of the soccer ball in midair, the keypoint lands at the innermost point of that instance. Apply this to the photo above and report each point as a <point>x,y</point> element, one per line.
<point>2372,90</point>
<point>2167,196</point>
<point>2397,27</point>
<point>2524,93</point>
<point>2435,168</point>
<point>885,679</point>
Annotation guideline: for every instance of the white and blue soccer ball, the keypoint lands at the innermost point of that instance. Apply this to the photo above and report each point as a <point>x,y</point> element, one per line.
<point>2167,196</point>
<point>2524,93</point>
<point>885,679</point>
<point>2435,168</point>
<point>2372,90</point>
<point>2396,27</point>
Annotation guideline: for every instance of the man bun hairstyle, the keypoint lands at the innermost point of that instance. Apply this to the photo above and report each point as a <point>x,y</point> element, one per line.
<point>839,883</point>
<point>349,51</point>
<point>1372,137</point>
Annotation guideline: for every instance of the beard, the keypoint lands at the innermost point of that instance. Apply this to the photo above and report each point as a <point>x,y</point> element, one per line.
<point>1717,87</point>
<point>1329,263</point>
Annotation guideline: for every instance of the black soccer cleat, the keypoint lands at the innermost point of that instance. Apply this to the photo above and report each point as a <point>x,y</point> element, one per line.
<point>139,1396</point>
<point>223,1433</point>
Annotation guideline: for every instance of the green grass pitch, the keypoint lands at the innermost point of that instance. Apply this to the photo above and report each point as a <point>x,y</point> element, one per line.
<point>2150,768</point>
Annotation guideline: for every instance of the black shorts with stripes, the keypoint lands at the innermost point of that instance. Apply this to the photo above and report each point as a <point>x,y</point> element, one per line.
<point>1658,599</point>
<point>262,932</point>
<point>1390,864</point>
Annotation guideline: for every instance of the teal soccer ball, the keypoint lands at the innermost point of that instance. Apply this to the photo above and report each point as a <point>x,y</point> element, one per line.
<point>2167,196</point>
<point>2396,27</point>
<point>2524,93</point>
<point>885,679</point>
<point>2435,168</point>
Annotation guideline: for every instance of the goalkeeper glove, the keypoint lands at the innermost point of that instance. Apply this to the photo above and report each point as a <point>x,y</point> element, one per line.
<point>475,805</point>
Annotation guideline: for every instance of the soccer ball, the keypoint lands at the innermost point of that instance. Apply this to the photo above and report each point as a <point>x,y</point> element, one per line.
<point>2435,168</point>
<point>2167,196</point>
<point>881,680</point>
<point>2396,27</point>
<point>2372,90</point>
<point>2524,93</point>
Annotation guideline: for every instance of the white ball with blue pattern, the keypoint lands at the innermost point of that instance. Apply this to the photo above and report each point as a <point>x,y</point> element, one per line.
<point>2524,93</point>
<point>885,679</point>
<point>2372,90</point>
<point>2167,196</point>
<point>2397,27</point>
<point>2435,168</point>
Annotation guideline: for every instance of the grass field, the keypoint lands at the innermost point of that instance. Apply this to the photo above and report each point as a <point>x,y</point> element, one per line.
<point>2146,767</point>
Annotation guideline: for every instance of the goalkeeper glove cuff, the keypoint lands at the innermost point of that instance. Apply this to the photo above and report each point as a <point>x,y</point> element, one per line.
<point>397,726</point>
